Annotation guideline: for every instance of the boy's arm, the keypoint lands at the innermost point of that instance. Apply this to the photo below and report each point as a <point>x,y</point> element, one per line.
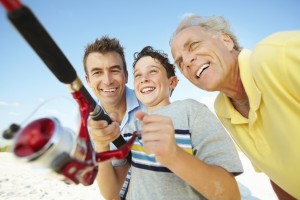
<point>211,181</point>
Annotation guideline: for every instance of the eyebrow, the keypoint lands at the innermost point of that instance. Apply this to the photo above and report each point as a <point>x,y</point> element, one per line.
<point>115,67</point>
<point>111,67</point>
<point>151,66</point>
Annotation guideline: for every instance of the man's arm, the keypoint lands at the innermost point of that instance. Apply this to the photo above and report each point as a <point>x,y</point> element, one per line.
<point>109,178</point>
<point>281,194</point>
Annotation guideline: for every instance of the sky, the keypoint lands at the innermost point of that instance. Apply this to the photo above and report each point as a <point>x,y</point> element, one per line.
<point>26,82</point>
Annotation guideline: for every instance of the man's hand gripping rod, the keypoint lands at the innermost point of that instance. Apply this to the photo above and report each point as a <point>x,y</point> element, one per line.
<point>75,160</point>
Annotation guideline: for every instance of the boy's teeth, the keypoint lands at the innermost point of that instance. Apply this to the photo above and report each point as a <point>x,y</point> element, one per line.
<point>147,89</point>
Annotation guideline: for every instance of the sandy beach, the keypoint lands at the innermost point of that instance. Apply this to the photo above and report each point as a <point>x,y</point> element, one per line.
<point>20,181</point>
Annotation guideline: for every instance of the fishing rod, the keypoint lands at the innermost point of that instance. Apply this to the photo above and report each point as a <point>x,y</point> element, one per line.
<point>45,141</point>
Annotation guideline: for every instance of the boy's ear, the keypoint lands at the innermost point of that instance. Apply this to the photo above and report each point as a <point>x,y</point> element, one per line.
<point>173,83</point>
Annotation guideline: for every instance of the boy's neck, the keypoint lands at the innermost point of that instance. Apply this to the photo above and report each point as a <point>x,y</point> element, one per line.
<point>159,105</point>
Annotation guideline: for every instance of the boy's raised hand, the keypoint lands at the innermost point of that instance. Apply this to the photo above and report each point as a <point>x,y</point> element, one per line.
<point>158,136</point>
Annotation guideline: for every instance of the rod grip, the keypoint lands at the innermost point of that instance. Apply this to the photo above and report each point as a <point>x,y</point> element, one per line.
<point>100,115</point>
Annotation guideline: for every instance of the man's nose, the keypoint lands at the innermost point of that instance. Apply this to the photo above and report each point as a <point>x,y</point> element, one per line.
<point>188,60</point>
<point>107,79</point>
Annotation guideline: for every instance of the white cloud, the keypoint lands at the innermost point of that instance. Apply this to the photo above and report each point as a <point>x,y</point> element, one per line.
<point>185,15</point>
<point>9,104</point>
<point>13,114</point>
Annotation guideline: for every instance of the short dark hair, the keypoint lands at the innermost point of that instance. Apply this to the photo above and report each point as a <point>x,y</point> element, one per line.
<point>159,55</point>
<point>104,45</point>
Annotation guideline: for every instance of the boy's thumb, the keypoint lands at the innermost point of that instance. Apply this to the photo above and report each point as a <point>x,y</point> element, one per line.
<point>140,115</point>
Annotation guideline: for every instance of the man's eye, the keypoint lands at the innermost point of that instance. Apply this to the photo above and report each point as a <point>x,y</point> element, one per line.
<point>137,75</point>
<point>115,71</point>
<point>179,65</point>
<point>95,73</point>
<point>194,45</point>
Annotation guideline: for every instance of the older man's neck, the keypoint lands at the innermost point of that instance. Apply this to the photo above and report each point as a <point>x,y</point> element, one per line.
<point>240,101</point>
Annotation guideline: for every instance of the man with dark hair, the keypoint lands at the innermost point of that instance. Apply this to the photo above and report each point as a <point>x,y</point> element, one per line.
<point>107,75</point>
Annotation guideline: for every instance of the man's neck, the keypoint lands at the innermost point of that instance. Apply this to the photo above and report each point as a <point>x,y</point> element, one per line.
<point>119,109</point>
<point>239,99</point>
<point>242,106</point>
<point>237,94</point>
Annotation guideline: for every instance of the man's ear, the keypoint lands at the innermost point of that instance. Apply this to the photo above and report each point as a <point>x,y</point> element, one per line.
<point>228,42</point>
<point>87,80</point>
<point>126,76</point>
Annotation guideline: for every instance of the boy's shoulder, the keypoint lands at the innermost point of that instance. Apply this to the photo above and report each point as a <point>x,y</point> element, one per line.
<point>189,101</point>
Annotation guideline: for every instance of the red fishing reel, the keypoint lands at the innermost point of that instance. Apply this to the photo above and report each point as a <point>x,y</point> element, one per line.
<point>46,143</point>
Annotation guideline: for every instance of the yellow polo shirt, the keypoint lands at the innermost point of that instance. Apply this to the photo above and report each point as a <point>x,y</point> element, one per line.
<point>270,137</point>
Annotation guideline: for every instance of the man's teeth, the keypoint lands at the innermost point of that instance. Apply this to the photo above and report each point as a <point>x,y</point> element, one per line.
<point>202,69</point>
<point>109,90</point>
<point>147,89</point>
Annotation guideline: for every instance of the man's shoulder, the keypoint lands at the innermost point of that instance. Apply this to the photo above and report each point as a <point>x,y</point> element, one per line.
<point>282,37</point>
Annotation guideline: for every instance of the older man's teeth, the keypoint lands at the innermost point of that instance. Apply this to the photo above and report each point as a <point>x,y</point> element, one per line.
<point>202,69</point>
<point>147,89</point>
<point>109,90</point>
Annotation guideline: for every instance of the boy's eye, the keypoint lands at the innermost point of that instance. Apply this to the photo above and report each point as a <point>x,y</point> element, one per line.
<point>153,71</point>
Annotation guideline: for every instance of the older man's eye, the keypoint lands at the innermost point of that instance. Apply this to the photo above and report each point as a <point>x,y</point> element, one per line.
<point>194,45</point>
<point>179,65</point>
<point>137,75</point>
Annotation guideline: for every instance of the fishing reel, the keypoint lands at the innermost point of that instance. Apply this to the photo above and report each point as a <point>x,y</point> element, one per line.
<point>46,143</point>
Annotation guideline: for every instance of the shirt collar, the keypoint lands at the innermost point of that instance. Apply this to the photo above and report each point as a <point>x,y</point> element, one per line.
<point>131,100</point>
<point>254,95</point>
